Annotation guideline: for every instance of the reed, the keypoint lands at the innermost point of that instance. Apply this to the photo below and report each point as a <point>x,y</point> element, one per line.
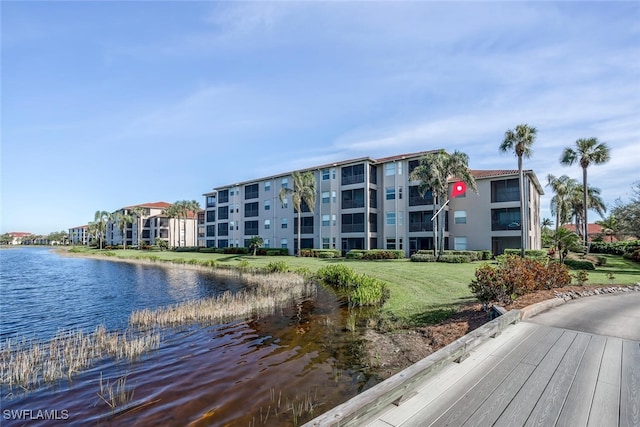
<point>115,394</point>
<point>27,364</point>
<point>264,295</point>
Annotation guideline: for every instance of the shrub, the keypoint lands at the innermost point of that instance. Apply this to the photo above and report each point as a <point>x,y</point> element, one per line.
<point>359,289</point>
<point>540,254</point>
<point>576,264</point>
<point>186,249</point>
<point>418,257</point>
<point>208,250</point>
<point>276,252</point>
<point>320,253</point>
<point>473,255</point>
<point>514,277</point>
<point>277,267</point>
<point>236,251</point>
<point>337,275</point>
<point>355,254</point>
<point>374,254</point>
<point>454,258</point>
<point>581,277</point>
<point>615,248</point>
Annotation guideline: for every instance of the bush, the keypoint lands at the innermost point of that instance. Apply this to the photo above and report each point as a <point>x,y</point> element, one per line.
<point>539,254</point>
<point>359,289</point>
<point>186,249</point>
<point>275,252</point>
<point>615,248</point>
<point>633,256</point>
<point>277,267</point>
<point>455,259</point>
<point>418,257</point>
<point>576,264</point>
<point>473,255</point>
<point>374,254</point>
<point>236,251</point>
<point>337,275</point>
<point>514,277</point>
<point>581,277</point>
<point>320,253</point>
<point>208,250</point>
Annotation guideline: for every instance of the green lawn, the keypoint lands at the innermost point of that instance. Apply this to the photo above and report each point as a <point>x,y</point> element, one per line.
<point>421,292</point>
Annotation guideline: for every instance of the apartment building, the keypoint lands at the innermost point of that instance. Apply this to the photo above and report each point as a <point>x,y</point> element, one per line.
<point>80,235</point>
<point>370,203</point>
<point>153,224</point>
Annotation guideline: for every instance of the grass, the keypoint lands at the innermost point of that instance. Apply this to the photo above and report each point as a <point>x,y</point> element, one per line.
<point>420,292</point>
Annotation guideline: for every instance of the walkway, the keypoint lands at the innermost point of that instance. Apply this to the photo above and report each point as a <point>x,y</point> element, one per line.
<point>530,375</point>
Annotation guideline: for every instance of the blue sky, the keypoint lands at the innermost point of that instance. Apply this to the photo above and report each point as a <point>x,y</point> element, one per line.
<point>110,104</point>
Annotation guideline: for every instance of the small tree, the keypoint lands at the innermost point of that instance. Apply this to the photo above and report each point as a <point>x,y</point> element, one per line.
<point>255,243</point>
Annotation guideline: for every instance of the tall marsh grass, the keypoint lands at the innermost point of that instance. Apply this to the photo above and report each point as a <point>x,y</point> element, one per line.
<point>27,364</point>
<point>264,295</point>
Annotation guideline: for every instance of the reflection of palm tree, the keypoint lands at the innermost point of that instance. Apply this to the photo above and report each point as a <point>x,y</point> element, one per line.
<point>586,152</point>
<point>304,190</point>
<point>520,140</point>
<point>433,172</point>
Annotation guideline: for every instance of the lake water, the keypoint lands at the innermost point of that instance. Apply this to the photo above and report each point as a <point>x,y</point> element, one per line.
<point>255,371</point>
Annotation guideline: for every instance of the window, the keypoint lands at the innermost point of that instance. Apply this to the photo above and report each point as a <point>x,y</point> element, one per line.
<point>326,220</point>
<point>334,219</point>
<point>400,193</point>
<point>283,243</point>
<point>460,243</point>
<point>400,218</point>
<point>251,228</point>
<point>460,217</point>
<point>266,243</point>
<point>223,196</point>
<point>223,229</point>
<point>267,186</point>
<point>251,191</point>
<point>353,198</point>
<point>505,219</point>
<point>506,190</point>
<point>223,212</point>
<point>306,223</point>
<point>325,197</point>
<point>284,183</point>
<point>284,223</point>
<point>420,221</point>
<point>267,224</point>
<point>211,201</point>
<point>373,174</point>
<point>390,193</point>
<point>373,198</point>
<point>391,244</point>
<point>325,243</point>
<point>415,199</point>
<point>400,170</point>
<point>251,209</point>
<point>223,243</point>
<point>325,174</point>
<point>211,230</point>
<point>390,218</point>
<point>285,203</point>
<point>232,192</point>
<point>267,205</point>
<point>390,169</point>
<point>334,196</point>
<point>412,165</point>
<point>353,223</point>
<point>373,222</point>
<point>211,216</point>
<point>353,174</point>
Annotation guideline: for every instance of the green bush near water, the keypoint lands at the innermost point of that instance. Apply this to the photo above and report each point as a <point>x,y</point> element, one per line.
<point>359,289</point>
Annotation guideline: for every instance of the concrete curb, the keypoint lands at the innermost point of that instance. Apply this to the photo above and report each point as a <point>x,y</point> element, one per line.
<point>537,308</point>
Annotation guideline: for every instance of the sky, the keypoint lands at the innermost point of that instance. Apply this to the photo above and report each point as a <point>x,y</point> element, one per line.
<point>107,104</point>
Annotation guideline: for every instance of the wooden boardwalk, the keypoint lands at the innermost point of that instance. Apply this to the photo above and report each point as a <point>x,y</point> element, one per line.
<point>530,375</point>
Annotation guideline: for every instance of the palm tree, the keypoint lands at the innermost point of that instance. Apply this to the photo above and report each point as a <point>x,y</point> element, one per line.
<point>434,172</point>
<point>609,226</point>
<point>171,212</point>
<point>304,190</point>
<point>560,203</point>
<point>138,212</point>
<point>594,201</point>
<point>255,243</point>
<point>194,207</point>
<point>520,140</point>
<point>122,220</point>
<point>586,152</point>
<point>100,218</point>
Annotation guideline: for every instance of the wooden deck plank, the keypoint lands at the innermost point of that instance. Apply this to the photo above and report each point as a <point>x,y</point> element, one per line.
<point>480,360</point>
<point>517,411</point>
<point>630,386</point>
<point>550,404</point>
<point>606,398</point>
<point>474,388</point>
<point>575,412</point>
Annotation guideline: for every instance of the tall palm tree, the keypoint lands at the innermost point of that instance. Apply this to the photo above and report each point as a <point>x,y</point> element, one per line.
<point>122,220</point>
<point>138,212</point>
<point>520,141</point>
<point>194,207</point>
<point>594,201</point>
<point>563,187</point>
<point>100,218</point>
<point>171,212</point>
<point>304,190</point>
<point>434,172</point>
<point>586,152</point>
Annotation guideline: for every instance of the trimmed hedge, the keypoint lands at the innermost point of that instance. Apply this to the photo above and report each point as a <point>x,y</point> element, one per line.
<point>615,248</point>
<point>539,254</point>
<point>418,257</point>
<point>576,264</point>
<point>454,259</point>
<point>373,254</point>
<point>321,253</point>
